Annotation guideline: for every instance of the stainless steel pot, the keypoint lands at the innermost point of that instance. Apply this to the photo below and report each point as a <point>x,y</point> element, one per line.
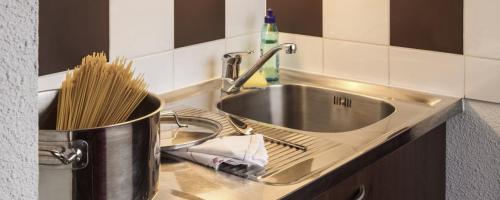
<point>120,161</point>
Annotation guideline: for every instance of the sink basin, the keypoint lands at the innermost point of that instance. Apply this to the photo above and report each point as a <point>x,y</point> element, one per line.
<point>307,108</point>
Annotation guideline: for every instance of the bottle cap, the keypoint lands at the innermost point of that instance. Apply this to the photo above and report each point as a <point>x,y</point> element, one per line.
<point>270,18</point>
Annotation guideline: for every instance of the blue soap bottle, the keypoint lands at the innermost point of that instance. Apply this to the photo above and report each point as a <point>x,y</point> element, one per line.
<point>269,40</point>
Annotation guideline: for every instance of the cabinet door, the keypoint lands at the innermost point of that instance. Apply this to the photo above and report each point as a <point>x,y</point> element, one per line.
<point>415,171</point>
<point>356,187</point>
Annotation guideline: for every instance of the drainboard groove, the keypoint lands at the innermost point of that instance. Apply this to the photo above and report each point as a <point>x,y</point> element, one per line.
<point>281,156</point>
<point>281,152</point>
<point>274,154</point>
<point>273,146</point>
<point>295,137</point>
<point>296,159</point>
<point>273,149</point>
<point>268,145</point>
<point>302,141</point>
<point>284,135</point>
<point>286,158</point>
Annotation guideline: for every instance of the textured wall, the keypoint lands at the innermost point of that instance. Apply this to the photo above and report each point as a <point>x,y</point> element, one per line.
<point>473,153</point>
<point>18,107</point>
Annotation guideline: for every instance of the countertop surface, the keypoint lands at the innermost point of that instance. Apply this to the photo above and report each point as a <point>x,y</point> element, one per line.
<point>416,113</point>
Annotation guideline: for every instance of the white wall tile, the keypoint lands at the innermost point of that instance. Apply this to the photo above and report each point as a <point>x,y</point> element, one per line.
<point>482,79</point>
<point>357,61</point>
<point>481,28</point>
<point>248,42</point>
<point>197,63</point>
<point>158,71</point>
<point>309,55</point>
<point>428,71</point>
<point>357,20</point>
<point>244,16</point>
<point>51,81</point>
<point>140,28</point>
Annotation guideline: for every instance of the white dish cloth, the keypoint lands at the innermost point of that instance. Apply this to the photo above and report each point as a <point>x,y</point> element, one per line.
<point>248,150</point>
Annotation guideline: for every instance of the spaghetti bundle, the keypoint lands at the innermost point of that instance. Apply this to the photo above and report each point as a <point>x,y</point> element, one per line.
<point>97,93</point>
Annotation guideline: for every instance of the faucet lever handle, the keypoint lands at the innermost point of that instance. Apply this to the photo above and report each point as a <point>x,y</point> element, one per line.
<point>235,57</point>
<point>231,67</point>
<point>231,64</point>
<point>238,53</point>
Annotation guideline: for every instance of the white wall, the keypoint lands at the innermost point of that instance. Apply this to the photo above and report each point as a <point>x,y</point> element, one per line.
<point>18,107</point>
<point>473,153</point>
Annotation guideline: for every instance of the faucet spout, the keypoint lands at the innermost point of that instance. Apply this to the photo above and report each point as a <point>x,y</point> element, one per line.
<point>289,48</point>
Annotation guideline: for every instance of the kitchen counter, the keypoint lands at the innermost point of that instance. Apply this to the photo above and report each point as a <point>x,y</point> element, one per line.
<point>416,114</point>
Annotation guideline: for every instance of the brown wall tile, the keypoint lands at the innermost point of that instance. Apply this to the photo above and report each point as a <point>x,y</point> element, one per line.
<point>298,16</point>
<point>198,21</point>
<point>435,25</point>
<point>69,30</point>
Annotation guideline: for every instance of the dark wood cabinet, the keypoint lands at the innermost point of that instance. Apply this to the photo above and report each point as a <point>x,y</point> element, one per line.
<point>413,171</point>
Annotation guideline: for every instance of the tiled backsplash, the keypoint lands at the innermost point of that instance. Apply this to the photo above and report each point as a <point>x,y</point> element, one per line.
<point>447,46</point>
<point>68,29</point>
<point>450,47</point>
<point>198,21</point>
<point>140,29</point>
<point>177,43</point>
<point>435,25</point>
<point>298,16</point>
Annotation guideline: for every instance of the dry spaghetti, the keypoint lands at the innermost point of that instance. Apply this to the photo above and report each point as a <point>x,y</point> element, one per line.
<point>97,93</point>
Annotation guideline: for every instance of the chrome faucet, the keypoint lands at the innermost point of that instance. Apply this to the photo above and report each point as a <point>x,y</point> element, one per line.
<point>232,82</point>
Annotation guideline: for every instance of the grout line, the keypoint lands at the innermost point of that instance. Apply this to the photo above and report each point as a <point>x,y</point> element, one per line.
<point>174,84</point>
<point>200,44</point>
<point>389,27</point>
<point>337,77</point>
<point>194,45</point>
<point>389,66</point>
<point>465,76</point>
<point>217,40</point>
<point>355,41</point>
<point>482,57</point>
<point>426,51</point>
<point>173,71</point>
<point>464,24</point>
<point>226,14</point>
<point>139,56</point>
<point>151,54</point>
<point>225,45</point>
<point>388,45</point>
<point>242,35</point>
<point>323,17</point>
<point>172,31</point>
<point>300,35</point>
<point>52,75</point>
<point>323,68</point>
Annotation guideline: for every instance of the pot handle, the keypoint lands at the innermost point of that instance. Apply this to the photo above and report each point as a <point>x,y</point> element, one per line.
<point>176,118</point>
<point>74,155</point>
<point>63,155</point>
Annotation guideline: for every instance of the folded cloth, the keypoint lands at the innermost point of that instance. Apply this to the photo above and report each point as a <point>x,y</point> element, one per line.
<point>248,150</point>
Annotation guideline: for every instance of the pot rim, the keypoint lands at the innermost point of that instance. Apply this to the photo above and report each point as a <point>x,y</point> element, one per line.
<point>160,107</point>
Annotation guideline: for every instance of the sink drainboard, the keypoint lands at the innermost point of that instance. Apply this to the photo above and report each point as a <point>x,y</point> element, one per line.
<point>286,164</point>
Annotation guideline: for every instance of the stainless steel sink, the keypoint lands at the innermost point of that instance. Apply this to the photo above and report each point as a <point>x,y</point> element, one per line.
<point>307,108</point>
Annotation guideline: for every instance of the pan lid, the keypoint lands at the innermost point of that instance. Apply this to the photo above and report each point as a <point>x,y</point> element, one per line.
<point>184,131</point>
